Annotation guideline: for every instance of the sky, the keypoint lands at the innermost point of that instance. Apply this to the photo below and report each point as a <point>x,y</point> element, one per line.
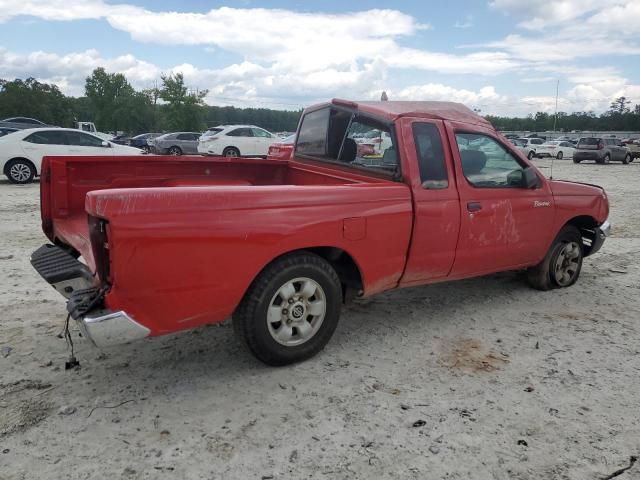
<point>501,57</point>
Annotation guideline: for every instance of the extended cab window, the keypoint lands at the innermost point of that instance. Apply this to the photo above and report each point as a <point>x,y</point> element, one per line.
<point>486,163</point>
<point>433,170</point>
<point>341,136</point>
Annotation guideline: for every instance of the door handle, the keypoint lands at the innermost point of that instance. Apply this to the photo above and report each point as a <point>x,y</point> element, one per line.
<point>474,206</point>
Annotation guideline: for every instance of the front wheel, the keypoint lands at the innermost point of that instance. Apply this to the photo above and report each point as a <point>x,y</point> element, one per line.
<point>626,159</point>
<point>291,310</point>
<point>146,149</point>
<point>559,156</point>
<point>231,152</point>
<point>575,160</point>
<point>562,264</point>
<point>20,171</point>
<point>175,151</point>
<point>531,155</point>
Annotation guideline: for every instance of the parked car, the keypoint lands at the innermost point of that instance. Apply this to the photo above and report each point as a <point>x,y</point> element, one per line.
<point>282,150</point>
<point>177,143</point>
<point>602,150</point>
<point>20,123</point>
<point>528,146</point>
<point>236,141</point>
<point>535,135</point>
<point>633,144</point>
<point>6,130</point>
<point>141,141</point>
<point>555,148</point>
<point>279,247</point>
<point>121,139</point>
<point>21,152</point>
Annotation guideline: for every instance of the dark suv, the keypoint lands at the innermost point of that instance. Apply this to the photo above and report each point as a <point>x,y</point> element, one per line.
<point>602,150</point>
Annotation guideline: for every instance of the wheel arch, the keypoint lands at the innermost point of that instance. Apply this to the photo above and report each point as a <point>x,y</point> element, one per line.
<point>5,170</point>
<point>345,265</point>
<point>587,226</point>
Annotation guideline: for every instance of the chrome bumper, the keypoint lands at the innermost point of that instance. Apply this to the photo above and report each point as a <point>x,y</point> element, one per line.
<point>106,328</point>
<point>602,232</point>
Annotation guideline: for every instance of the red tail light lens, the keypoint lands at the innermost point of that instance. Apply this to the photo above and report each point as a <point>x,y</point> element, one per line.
<point>600,146</point>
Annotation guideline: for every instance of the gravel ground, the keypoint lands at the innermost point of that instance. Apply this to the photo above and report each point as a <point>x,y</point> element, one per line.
<point>483,378</point>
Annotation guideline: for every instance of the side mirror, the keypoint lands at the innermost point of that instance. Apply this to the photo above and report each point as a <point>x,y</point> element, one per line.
<point>530,178</point>
<point>106,144</point>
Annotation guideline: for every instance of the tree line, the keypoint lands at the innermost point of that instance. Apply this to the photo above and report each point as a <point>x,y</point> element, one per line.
<point>619,116</point>
<point>114,105</point>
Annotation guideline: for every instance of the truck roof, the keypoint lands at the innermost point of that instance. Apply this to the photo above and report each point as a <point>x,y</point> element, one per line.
<point>392,110</point>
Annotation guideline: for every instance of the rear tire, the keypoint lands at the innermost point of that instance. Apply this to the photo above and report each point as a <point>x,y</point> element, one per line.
<point>562,264</point>
<point>231,152</point>
<point>559,156</point>
<point>575,160</point>
<point>175,151</point>
<point>20,171</point>
<point>606,159</point>
<point>531,155</point>
<point>627,159</point>
<point>296,290</point>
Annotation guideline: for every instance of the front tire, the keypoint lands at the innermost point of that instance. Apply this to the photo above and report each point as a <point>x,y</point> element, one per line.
<point>531,155</point>
<point>20,171</point>
<point>561,265</point>
<point>627,159</point>
<point>291,310</point>
<point>175,151</point>
<point>559,156</point>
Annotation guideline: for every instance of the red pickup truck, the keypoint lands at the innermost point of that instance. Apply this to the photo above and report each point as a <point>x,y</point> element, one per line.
<point>151,245</point>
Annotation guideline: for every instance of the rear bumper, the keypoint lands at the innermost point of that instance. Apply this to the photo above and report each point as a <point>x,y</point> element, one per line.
<point>85,304</point>
<point>105,328</point>
<point>602,232</point>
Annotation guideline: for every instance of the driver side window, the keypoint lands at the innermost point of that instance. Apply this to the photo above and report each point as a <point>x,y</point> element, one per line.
<point>486,163</point>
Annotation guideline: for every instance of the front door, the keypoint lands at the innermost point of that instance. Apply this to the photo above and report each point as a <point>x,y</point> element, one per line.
<point>81,143</point>
<point>504,225</point>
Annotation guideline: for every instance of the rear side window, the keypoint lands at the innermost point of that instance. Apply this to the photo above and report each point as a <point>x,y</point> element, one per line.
<point>240,132</point>
<point>47,138</point>
<point>258,132</point>
<point>184,136</point>
<point>211,132</point>
<point>313,133</point>
<point>433,170</point>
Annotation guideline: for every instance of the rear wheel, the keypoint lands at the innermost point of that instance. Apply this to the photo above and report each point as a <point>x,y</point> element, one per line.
<point>231,152</point>
<point>575,160</point>
<point>531,155</point>
<point>20,171</point>
<point>606,159</point>
<point>146,149</point>
<point>291,310</point>
<point>175,151</point>
<point>559,156</point>
<point>562,264</point>
<point>626,159</point>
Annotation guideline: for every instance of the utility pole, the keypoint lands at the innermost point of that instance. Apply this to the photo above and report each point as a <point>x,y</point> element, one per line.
<point>555,118</point>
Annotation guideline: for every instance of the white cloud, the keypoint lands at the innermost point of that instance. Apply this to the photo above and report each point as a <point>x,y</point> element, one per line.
<point>466,23</point>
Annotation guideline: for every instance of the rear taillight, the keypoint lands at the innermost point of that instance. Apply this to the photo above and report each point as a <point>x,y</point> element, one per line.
<point>100,247</point>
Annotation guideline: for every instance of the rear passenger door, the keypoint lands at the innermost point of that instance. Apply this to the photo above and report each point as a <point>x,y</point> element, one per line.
<point>243,140</point>
<point>46,142</point>
<point>436,203</point>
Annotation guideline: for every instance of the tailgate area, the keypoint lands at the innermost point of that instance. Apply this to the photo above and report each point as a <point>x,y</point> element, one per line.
<point>61,270</point>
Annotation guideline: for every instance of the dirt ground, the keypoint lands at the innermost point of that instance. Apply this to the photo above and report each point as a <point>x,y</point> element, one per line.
<point>483,378</point>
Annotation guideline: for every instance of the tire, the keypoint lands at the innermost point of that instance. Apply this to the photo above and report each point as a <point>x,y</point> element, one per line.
<point>559,156</point>
<point>575,160</point>
<point>146,149</point>
<point>20,171</point>
<point>606,159</point>
<point>531,155</point>
<point>272,332</point>
<point>561,265</point>
<point>175,151</point>
<point>231,152</point>
<point>627,159</point>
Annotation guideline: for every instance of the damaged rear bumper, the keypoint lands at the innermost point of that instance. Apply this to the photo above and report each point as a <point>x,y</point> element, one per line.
<point>74,280</point>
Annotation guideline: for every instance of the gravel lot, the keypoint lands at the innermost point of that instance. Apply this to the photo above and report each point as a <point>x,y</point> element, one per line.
<point>483,378</point>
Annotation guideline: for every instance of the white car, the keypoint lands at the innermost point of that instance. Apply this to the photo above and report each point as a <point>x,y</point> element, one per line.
<point>528,146</point>
<point>236,141</point>
<point>556,148</point>
<point>21,152</point>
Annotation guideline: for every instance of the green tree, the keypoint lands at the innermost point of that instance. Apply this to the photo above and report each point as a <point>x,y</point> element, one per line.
<point>31,98</point>
<point>620,105</point>
<point>183,110</point>
<point>111,96</point>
